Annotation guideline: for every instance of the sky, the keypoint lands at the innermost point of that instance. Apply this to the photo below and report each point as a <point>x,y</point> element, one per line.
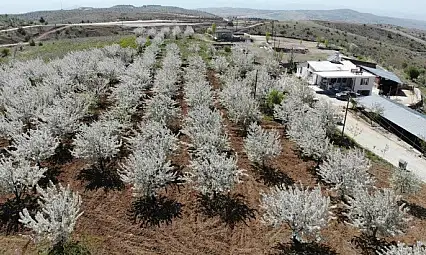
<point>412,9</point>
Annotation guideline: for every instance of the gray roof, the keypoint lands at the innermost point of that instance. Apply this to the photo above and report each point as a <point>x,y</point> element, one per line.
<point>383,73</point>
<point>404,117</point>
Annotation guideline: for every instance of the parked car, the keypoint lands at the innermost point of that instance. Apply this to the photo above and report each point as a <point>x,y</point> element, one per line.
<point>346,94</point>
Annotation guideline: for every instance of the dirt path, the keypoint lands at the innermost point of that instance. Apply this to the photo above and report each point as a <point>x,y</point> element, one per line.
<point>405,34</point>
<point>42,36</point>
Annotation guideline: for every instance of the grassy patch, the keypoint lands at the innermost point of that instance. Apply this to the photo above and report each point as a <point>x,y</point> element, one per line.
<point>128,41</point>
<point>57,49</point>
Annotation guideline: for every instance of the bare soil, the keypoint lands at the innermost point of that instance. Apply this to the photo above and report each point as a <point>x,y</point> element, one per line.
<point>107,228</point>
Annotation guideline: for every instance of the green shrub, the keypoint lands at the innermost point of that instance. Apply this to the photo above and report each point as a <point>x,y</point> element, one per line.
<point>5,52</point>
<point>412,72</point>
<point>128,42</point>
<point>227,49</point>
<point>32,43</point>
<point>21,31</point>
<point>275,97</point>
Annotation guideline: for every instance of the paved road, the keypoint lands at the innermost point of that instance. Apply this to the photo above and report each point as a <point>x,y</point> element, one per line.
<point>133,23</point>
<point>377,140</point>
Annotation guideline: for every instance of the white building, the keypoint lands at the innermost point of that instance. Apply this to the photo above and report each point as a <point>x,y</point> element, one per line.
<point>337,76</point>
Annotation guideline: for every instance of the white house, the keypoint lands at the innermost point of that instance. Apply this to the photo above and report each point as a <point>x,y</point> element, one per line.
<point>337,76</point>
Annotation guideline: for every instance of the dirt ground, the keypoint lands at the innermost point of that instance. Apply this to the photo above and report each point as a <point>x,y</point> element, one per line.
<point>106,227</point>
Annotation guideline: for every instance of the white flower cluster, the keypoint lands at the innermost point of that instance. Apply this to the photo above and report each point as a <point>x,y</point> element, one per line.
<point>44,103</point>
<point>305,211</point>
<point>378,212</point>
<point>261,145</point>
<point>149,169</point>
<point>97,142</point>
<point>213,171</point>
<point>347,171</point>
<point>60,210</point>
<point>236,96</point>
<point>402,249</point>
<point>242,58</point>
<point>189,32</point>
<point>167,77</point>
<point>220,64</point>
<point>307,122</point>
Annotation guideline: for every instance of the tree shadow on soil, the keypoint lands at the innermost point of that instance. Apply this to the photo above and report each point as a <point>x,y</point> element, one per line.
<point>97,179</point>
<point>232,209</point>
<point>369,245</point>
<point>62,154</point>
<point>51,174</point>
<point>70,248</point>
<point>154,211</point>
<point>9,213</point>
<point>416,210</point>
<point>273,177</point>
<point>303,249</point>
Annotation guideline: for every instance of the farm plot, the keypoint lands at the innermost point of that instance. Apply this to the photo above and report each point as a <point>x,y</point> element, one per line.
<point>128,153</point>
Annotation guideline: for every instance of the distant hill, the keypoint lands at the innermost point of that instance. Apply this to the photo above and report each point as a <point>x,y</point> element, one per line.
<point>118,12</point>
<point>345,15</point>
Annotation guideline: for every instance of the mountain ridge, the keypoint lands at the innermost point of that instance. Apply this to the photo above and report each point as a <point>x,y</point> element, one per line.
<point>117,12</point>
<point>345,15</point>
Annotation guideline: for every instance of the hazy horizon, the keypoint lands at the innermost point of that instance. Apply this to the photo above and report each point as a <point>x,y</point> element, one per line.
<point>409,9</point>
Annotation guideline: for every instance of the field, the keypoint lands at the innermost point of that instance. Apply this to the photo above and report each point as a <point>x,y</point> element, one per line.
<point>107,225</point>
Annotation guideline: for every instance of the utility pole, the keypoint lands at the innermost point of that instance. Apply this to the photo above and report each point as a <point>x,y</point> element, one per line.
<point>255,86</point>
<point>346,115</point>
<point>273,32</point>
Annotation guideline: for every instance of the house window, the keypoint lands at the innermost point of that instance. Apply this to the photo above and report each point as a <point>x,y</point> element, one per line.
<point>364,81</point>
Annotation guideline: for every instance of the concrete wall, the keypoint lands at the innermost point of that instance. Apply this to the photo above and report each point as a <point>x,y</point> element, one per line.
<point>369,87</point>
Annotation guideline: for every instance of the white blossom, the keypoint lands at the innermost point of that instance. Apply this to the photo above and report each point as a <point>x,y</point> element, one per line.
<point>308,131</point>
<point>198,94</point>
<point>97,142</point>
<point>242,108</point>
<point>403,249</point>
<point>176,32</point>
<point>140,31</point>
<point>305,211</point>
<point>36,145</point>
<point>189,32</point>
<point>242,58</point>
<point>116,51</point>
<point>214,173</point>
<point>329,115</point>
<point>152,133</point>
<point>152,32</point>
<point>377,213</point>
<point>55,222</point>
<point>220,64</point>
<point>261,145</point>
<point>346,170</point>
<point>18,175</point>
<point>205,129</point>
<point>405,182</point>
<point>147,170</point>
<point>161,108</point>
<point>63,116</point>
<point>10,128</point>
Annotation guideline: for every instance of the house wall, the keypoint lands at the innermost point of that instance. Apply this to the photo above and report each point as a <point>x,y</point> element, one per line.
<point>307,74</point>
<point>364,89</point>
